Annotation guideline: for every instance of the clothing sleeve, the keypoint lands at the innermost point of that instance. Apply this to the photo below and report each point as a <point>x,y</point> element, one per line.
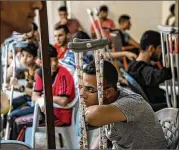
<point>38,83</point>
<point>91,29</point>
<point>153,77</point>
<point>112,25</point>
<point>132,108</point>
<point>66,86</point>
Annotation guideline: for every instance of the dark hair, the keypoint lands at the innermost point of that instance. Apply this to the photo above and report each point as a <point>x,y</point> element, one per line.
<point>82,35</point>
<point>103,8</point>
<point>110,73</point>
<point>35,27</point>
<point>172,8</point>
<point>62,8</point>
<point>64,27</point>
<point>31,49</point>
<point>150,38</point>
<point>123,18</point>
<point>52,51</point>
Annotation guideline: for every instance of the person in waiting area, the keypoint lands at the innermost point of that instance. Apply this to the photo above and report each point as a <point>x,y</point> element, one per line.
<point>61,34</point>
<point>63,89</point>
<point>133,124</point>
<point>148,76</point>
<point>73,24</point>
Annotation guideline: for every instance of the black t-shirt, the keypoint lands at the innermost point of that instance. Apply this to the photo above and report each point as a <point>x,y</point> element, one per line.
<point>149,79</point>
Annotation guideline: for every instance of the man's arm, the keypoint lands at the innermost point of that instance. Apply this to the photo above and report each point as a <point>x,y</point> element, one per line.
<point>133,43</point>
<point>36,96</point>
<point>61,100</point>
<point>100,115</point>
<point>153,77</point>
<point>130,56</point>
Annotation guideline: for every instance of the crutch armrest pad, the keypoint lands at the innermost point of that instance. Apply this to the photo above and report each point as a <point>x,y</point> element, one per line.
<point>167,29</point>
<point>88,45</point>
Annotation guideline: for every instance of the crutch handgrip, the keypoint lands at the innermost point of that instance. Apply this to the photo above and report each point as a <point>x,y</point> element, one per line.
<point>167,29</point>
<point>8,41</point>
<point>76,40</point>
<point>176,45</point>
<point>171,44</point>
<point>88,45</point>
<point>89,12</point>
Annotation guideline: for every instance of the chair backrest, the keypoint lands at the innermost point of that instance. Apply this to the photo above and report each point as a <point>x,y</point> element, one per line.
<point>169,119</point>
<point>137,88</point>
<point>12,144</point>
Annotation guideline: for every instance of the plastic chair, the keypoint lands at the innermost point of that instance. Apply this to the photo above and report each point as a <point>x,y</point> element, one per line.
<point>66,133</point>
<point>169,119</point>
<point>12,144</point>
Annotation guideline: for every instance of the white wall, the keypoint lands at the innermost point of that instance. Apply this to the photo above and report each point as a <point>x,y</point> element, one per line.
<point>145,14</point>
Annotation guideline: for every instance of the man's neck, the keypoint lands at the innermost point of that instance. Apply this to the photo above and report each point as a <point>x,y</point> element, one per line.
<point>31,67</point>
<point>122,28</point>
<point>143,57</point>
<point>5,32</point>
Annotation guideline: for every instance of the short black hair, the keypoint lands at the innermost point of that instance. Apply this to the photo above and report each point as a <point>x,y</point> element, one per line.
<point>110,73</point>
<point>123,18</point>
<point>35,27</point>
<point>31,49</point>
<point>62,8</point>
<point>64,27</point>
<point>172,8</point>
<point>148,38</point>
<point>103,8</point>
<point>52,51</point>
<point>82,35</point>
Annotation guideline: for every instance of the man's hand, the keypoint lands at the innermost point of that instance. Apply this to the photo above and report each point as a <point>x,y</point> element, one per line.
<point>130,56</point>
<point>41,102</point>
<point>63,21</point>
<point>14,83</point>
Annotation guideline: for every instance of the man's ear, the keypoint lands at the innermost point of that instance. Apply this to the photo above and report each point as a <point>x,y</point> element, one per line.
<point>109,92</point>
<point>151,49</point>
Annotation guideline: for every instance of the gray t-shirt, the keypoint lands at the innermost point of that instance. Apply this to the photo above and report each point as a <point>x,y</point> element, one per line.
<point>142,129</point>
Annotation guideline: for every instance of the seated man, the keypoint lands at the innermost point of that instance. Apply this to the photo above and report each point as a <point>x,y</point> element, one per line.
<point>132,120</point>
<point>126,41</point>
<point>28,58</point>
<point>144,73</point>
<point>61,34</point>
<point>63,89</point>
<point>105,23</point>
<point>73,24</point>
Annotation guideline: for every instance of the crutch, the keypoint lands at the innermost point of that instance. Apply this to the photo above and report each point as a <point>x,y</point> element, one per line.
<point>7,42</point>
<point>176,60</point>
<point>8,130</point>
<point>173,89</point>
<point>166,32</point>
<point>79,47</point>
<point>15,45</point>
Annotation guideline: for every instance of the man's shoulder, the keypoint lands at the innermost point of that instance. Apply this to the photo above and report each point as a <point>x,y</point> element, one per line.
<point>127,93</point>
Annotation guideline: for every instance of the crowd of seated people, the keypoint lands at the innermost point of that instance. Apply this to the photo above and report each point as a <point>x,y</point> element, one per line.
<point>64,78</point>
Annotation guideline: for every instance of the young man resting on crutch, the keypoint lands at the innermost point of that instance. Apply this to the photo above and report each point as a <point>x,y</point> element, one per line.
<point>133,124</point>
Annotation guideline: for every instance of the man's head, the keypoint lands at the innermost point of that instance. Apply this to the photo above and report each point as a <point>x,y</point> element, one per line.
<point>103,12</point>
<point>61,34</point>
<point>29,55</point>
<point>18,15</point>
<point>62,11</point>
<point>110,79</point>
<point>150,44</point>
<point>32,35</point>
<point>124,22</point>
<point>53,58</point>
<point>172,9</point>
